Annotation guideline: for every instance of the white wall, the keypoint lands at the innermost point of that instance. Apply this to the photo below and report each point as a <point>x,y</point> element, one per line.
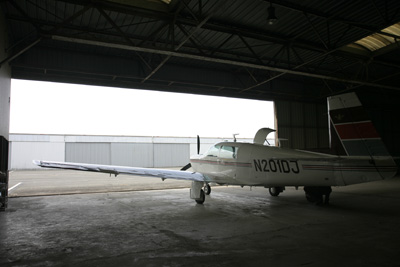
<point>22,153</point>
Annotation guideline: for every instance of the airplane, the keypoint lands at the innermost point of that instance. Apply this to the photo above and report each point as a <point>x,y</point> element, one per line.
<point>275,168</point>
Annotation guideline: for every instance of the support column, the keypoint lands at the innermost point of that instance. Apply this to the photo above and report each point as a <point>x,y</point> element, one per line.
<point>3,173</point>
<point>5,89</point>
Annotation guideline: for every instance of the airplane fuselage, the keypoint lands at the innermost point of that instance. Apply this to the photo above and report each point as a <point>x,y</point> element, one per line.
<point>258,165</point>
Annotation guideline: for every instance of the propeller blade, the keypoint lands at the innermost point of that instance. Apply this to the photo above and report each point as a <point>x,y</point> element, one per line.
<point>198,144</point>
<point>187,166</point>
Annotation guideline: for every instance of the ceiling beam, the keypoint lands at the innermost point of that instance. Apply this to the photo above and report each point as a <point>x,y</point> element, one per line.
<point>333,17</point>
<point>199,25</point>
<point>221,61</point>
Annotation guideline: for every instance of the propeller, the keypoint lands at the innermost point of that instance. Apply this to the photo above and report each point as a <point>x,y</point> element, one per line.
<point>187,166</point>
<point>198,145</point>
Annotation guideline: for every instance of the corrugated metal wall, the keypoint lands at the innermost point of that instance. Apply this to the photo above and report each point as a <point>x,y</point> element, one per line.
<point>384,111</point>
<point>305,125</point>
<point>127,154</point>
<point>98,153</point>
<point>109,150</point>
<point>170,154</point>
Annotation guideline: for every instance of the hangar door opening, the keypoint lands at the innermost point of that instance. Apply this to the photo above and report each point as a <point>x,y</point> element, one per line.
<point>114,126</point>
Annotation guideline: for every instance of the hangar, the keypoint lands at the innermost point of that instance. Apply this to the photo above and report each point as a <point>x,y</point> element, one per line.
<point>295,54</point>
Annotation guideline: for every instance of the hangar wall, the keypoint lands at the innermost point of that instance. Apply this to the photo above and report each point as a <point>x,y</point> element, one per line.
<point>109,150</point>
<point>304,125</point>
<point>384,112</point>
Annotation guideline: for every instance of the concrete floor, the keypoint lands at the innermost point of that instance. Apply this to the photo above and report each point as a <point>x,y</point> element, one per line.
<point>234,227</point>
<point>59,182</point>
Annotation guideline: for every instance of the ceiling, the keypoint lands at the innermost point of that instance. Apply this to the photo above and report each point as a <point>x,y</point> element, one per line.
<point>313,50</point>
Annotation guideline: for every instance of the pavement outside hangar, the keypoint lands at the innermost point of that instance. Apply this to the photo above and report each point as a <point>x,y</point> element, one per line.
<point>160,226</point>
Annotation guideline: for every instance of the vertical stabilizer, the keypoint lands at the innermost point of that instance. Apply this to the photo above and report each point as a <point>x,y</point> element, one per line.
<point>355,130</point>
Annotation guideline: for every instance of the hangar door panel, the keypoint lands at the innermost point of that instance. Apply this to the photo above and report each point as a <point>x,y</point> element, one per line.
<point>171,155</point>
<point>134,155</point>
<point>96,153</point>
<point>304,125</point>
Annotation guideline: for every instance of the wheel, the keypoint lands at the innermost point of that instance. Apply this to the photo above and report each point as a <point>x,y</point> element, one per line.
<point>207,189</point>
<point>202,198</point>
<point>315,194</point>
<point>275,191</point>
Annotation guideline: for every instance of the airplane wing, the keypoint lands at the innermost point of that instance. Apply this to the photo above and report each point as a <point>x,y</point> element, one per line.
<point>161,173</point>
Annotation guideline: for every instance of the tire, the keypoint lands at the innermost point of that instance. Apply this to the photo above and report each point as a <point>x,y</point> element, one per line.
<point>275,191</point>
<point>202,198</point>
<point>316,194</point>
<point>207,189</point>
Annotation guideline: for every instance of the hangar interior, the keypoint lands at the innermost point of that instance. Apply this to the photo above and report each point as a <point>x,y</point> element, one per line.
<point>226,48</point>
<point>294,53</point>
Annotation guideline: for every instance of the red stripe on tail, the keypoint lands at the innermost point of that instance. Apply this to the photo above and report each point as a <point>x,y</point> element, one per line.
<point>357,130</point>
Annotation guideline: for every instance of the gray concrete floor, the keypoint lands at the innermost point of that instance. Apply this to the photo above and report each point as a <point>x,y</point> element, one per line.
<point>58,182</point>
<point>234,227</point>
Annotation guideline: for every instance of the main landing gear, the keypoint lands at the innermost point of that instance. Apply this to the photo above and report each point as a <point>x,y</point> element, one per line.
<point>315,194</point>
<point>275,191</point>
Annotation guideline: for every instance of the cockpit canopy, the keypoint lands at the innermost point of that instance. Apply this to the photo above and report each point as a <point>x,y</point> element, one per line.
<point>223,151</point>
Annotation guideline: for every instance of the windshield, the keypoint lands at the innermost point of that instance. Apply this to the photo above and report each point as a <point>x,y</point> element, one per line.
<point>227,152</point>
<point>213,151</point>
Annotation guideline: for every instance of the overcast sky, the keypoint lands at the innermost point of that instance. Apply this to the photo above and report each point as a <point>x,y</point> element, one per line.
<point>57,108</point>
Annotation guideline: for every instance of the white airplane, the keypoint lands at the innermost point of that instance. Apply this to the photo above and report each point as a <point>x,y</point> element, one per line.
<point>256,164</point>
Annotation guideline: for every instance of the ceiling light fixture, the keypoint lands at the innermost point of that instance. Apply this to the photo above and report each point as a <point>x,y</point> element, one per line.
<point>272,19</point>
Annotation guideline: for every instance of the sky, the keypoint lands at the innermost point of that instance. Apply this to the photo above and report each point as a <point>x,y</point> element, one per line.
<point>61,108</point>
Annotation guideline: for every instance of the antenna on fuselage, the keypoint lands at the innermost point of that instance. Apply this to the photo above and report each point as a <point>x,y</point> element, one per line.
<point>234,137</point>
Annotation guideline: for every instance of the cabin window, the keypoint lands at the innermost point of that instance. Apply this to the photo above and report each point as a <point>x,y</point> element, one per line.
<point>213,151</point>
<point>228,152</point>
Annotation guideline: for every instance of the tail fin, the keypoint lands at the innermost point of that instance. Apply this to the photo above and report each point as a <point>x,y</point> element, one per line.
<point>355,130</point>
